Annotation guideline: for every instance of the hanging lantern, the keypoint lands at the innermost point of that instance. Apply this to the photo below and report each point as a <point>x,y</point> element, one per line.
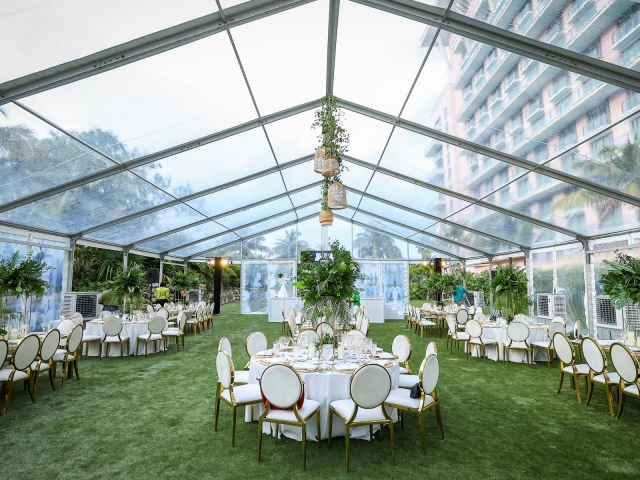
<point>337,196</point>
<point>330,168</point>
<point>326,218</point>
<point>318,159</point>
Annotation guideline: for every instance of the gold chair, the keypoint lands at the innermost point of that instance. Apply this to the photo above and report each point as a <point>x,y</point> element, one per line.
<point>400,397</point>
<point>576,341</point>
<point>369,388</point>
<point>547,345</point>
<point>518,335</point>
<point>323,328</point>
<point>567,357</point>
<point>474,330</point>
<point>408,313</point>
<point>455,335</point>
<point>423,321</point>
<point>408,381</point>
<point>20,369</point>
<point>112,329</point>
<point>401,347</point>
<point>234,396</point>
<point>43,361</point>
<point>156,326</point>
<point>68,357</point>
<point>597,361</point>
<point>283,388</point>
<point>177,331</point>
<point>241,376</point>
<point>256,342</point>
<point>626,364</point>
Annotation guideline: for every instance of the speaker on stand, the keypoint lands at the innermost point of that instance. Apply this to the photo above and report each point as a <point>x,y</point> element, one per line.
<point>153,275</point>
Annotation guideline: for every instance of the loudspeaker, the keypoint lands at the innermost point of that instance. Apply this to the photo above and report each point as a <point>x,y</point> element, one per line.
<point>153,275</point>
<point>437,265</point>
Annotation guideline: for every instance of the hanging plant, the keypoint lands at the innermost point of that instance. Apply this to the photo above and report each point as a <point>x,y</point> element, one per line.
<point>622,281</point>
<point>334,141</point>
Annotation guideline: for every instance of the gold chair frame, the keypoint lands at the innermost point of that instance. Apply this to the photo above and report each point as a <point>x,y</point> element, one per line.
<point>624,383</point>
<point>7,386</point>
<point>70,359</point>
<point>527,348</point>
<point>482,346</point>
<point>122,342</point>
<point>575,375</point>
<point>36,371</point>
<point>608,383</point>
<point>148,339</point>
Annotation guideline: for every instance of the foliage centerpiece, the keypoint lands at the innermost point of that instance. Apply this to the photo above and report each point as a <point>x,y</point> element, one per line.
<point>129,285</point>
<point>509,288</point>
<point>327,286</point>
<point>184,282</point>
<point>622,282</point>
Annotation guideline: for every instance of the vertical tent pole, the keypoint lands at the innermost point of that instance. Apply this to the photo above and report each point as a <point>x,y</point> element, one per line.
<point>490,290</point>
<point>588,288</point>
<point>161,267</point>
<point>217,284</point>
<point>528,272</point>
<point>125,256</point>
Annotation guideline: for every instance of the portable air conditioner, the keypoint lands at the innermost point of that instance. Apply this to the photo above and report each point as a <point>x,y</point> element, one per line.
<point>475,299</point>
<point>86,303</point>
<point>195,296</point>
<point>609,317</point>
<point>552,305</point>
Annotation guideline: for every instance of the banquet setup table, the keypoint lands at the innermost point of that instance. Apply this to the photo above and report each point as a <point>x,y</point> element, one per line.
<point>324,385</point>
<point>537,333</point>
<point>130,329</point>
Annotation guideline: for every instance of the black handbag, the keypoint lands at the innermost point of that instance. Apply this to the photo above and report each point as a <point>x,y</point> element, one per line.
<point>415,391</point>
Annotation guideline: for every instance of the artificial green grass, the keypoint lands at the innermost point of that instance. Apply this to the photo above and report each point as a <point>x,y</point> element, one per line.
<point>153,418</point>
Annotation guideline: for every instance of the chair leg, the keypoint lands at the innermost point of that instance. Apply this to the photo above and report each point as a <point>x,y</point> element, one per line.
<point>561,379</point>
<point>53,386</point>
<point>347,440</point>
<point>330,429</point>
<point>6,396</point>
<point>233,426</point>
<point>393,444</point>
<point>259,437</point>
<point>610,399</point>
<point>304,447</point>
<point>318,429</point>
<point>577,384</point>
<point>75,369</point>
<point>590,386</point>
<point>439,418</point>
<point>422,434</point>
<point>217,410</point>
<point>621,397</point>
<point>31,389</point>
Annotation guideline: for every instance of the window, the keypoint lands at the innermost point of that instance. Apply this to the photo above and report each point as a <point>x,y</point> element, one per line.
<point>600,144</point>
<point>523,186</point>
<point>597,118</point>
<point>567,136</point>
<point>569,162</point>
<point>543,180</point>
<point>541,153</point>
<point>594,50</point>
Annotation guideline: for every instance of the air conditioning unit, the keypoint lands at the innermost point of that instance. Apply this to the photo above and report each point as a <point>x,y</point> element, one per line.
<point>86,303</point>
<point>607,316</point>
<point>475,299</point>
<point>552,305</point>
<point>195,296</point>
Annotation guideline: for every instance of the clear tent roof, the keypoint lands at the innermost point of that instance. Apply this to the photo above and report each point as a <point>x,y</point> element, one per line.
<point>477,127</point>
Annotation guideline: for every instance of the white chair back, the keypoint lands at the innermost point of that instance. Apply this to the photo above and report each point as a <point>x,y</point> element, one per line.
<point>163,312</point>
<point>65,327</point>
<point>518,332</point>
<point>157,325</point>
<point>292,325</point>
<point>323,328</point>
<point>432,349</point>
<point>150,310</point>
<point>473,328</point>
<point>308,337</point>
<point>112,327</point>
<point>472,310</point>
<point>555,328</point>
<point>4,350</point>
<point>281,386</point>
<point>563,348</point>
<point>451,324</point>
<point>77,318</point>
<point>256,342</point>
<point>429,373</point>
<point>225,346</point>
<point>224,366</point>
<point>49,345</point>
<point>75,339</point>
<point>364,326</point>
<point>462,316</point>
<point>356,334</point>
<point>625,362</point>
<point>26,352</point>
<point>182,319</point>
<point>479,310</point>
<point>401,347</point>
<point>593,355</point>
<point>370,385</point>
<point>559,320</point>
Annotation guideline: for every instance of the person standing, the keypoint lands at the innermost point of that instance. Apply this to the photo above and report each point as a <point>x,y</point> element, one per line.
<point>355,298</point>
<point>162,294</point>
<point>108,301</point>
<point>458,292</point>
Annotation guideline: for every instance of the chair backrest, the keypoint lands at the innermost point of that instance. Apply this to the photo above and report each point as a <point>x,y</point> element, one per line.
<point>594,355</point>
<point>563,348</point>
<point>473,328</point>
<point>358,321</point>
<point>157,324</point>
<point>75,339</point>
<point>281,386</point>
<point>429,373</point>
<point>323,328</point>
<point>77,317</point>
<point>26,352</point>
<point>163,312</point>
<point>518,332</point>
<point>103,315</point>
<point>49,345</point>
<point>182,319</point>
<point>150,309</point>
<point>224,366</point>
<point>256,342</point>
<point>451,324</point>
<point>4,350</point>
<point>555,328</point>
<point>370,385</point>
<point>625,362</point>
<point>308,336</point>
<point>462,316</point>
<point>479,310</point>
<point>292,325</point>
<point>472,310</point>
<point>559,320</point>
<point>432,349</point>
<point>576,329</point>
<point>401,347</point>
<point>356,334</point>
<point>225,345</point>
<point>364,326</point>
<point>65,327</point>
<point>112,327</point>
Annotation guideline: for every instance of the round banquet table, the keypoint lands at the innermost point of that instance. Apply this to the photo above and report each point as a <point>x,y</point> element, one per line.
<point>130,329</point>
<point>324,388</point>
<point>499,333</point>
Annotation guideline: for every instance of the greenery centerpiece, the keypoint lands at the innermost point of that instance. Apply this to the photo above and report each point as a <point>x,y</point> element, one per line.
<point>184,282</point>
<point>510,294</point>
<point>622,282</point>
<point>327,286</point>
<point>129,285</point>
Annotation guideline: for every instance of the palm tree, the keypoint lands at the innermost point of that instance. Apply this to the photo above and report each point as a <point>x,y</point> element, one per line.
<point>618,167</point>
<point>288,246</point>
<point>255,248</point>
<point>372,244</point>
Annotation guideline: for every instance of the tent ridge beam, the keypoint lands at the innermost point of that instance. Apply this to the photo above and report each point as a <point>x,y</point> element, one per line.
<point>332,41</point>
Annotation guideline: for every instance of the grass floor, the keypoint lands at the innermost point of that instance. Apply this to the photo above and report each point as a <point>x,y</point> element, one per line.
<point>153,418</point>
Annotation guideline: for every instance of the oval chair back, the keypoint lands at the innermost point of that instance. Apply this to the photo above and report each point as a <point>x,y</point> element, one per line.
<point>163,312</point>
<point>49,345</point>
<point>563,348</point>
<point>65,327</point>
<point>462,316</point>
<point>451,325</point>
<point>26,352</point>
<point>518,332</point>
<point>370,386</point>
<point>182,320</point>
<point>112,327</point>
<point>77,318</point>
<point>429,374</point>
<point>4,350</point>
<point>474,328</point>
<point>625,362</point>
<point>594,355</point>
<point>364,325</point>
<point>281,386</point>
<point>472,310</point>
<point>401,347</point>
<point>74,339</point>
<point>292,325</point>
<point>224,367</point>
<point>432,349</point>
<point>553,329</point>
<point>225,346</point>
<point>559,320</point>
<point>308,336</point>
<point>256,342</point>
<point>150,309</point>
<point>157,325</point>
<point>323,328</point>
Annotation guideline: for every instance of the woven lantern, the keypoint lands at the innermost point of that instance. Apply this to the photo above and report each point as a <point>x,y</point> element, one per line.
<point>326,218</point>
<point>318,159</point>
<point>330,168</point>
<point>337,196</point>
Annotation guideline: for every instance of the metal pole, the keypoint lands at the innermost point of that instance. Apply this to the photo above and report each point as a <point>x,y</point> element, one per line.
<point>490,290</point>
<point>589,292</point>
<point>324,237</point>
<point>161,267</point>
<point>217,284</point>
<point>125,256</point>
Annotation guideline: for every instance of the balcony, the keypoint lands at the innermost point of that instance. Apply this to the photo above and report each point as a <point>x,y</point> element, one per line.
<point>555,35</point>
<point>516,126</point>
<point>468,92</point>
<point>523,19</point>
<point>492,61</point>
<point>494,98</point>
<point>498,141</point>
<point>560,89</point>
<point>630,55</point>
<point>627,32</point>
<point>578,9</point>
<point>482,114</point>
<point>471,129</point>
<point>534,111</point>
<point>473,162</point>
<point>632,102</point>
<point>479,79</point>
<point>432,148</point>
<point>512,81</point>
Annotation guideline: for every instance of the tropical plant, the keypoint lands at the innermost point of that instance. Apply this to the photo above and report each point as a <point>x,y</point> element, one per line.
<point>622,281</point>
<point>129,285</point>
<point>437,284</point>
<point>509,288</point>
<point>255,248</point>
<point>418,275</point>
<point>185,282</point>
<point>373,244</point>
<point>288,246</point>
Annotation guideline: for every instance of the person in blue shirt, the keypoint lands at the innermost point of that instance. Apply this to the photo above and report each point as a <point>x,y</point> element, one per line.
<point>458,293</point>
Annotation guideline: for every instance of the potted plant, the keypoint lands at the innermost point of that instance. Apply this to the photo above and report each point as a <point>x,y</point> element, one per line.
<point>129,285</point>
<point>183,282</point>
<point>622,282</point>
<point>510,294</point>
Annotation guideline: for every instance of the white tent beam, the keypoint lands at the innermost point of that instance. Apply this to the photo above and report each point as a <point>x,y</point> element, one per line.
<point>334,11</point>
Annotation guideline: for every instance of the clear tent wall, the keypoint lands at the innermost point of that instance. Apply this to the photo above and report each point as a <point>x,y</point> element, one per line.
<point>479,129</point>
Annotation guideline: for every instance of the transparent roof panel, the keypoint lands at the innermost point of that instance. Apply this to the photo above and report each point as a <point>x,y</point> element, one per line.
<point>285,56</point>
<point>443,246</point>
<point>399,215</point>
<point>158,102</point>
<point>369,243</point>
<point>245,193</point>
<point>67,22</point>
<point>378,56</point>
<point>306,196</point>
<point>88,205</point>
<point>471,239</point>
<point>300,175</point>
<point>226,160</point>
<point>149,225</point>
<point>355,176</point>
<point>309,233</point>
<point>206,245</point>
<point>35,157</point>
<point>183,237</point>
<point>266,225</point>
<point>256,213</point>
<point>367,137</point>
<point>383,225</point>
<point>232,251</point>
<point>292,137</point>
<point>313,209</point>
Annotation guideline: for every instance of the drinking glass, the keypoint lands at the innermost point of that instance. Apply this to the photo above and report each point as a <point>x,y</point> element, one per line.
<point>276,347</point>
<point>374,349</point>
<point>296,352</point>
<point>358,353</point>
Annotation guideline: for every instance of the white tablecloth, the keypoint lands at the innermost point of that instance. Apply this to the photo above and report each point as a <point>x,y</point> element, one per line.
<point>499,333</point>
<point>130,329</point>
<point>323,388</point>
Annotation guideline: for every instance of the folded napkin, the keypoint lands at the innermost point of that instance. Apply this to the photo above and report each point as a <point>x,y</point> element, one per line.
<point>304,366</point>
<point>386,355</point>
<point>382,363</point>
<point>347,366</point>
<point>273,360</point>
<point>265,353</point>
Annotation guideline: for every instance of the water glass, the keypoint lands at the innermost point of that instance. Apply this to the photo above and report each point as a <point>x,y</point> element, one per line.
<point>374,349</point>
<point>296,351</point>
<point>276,347</point>
<point>358,353</point>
